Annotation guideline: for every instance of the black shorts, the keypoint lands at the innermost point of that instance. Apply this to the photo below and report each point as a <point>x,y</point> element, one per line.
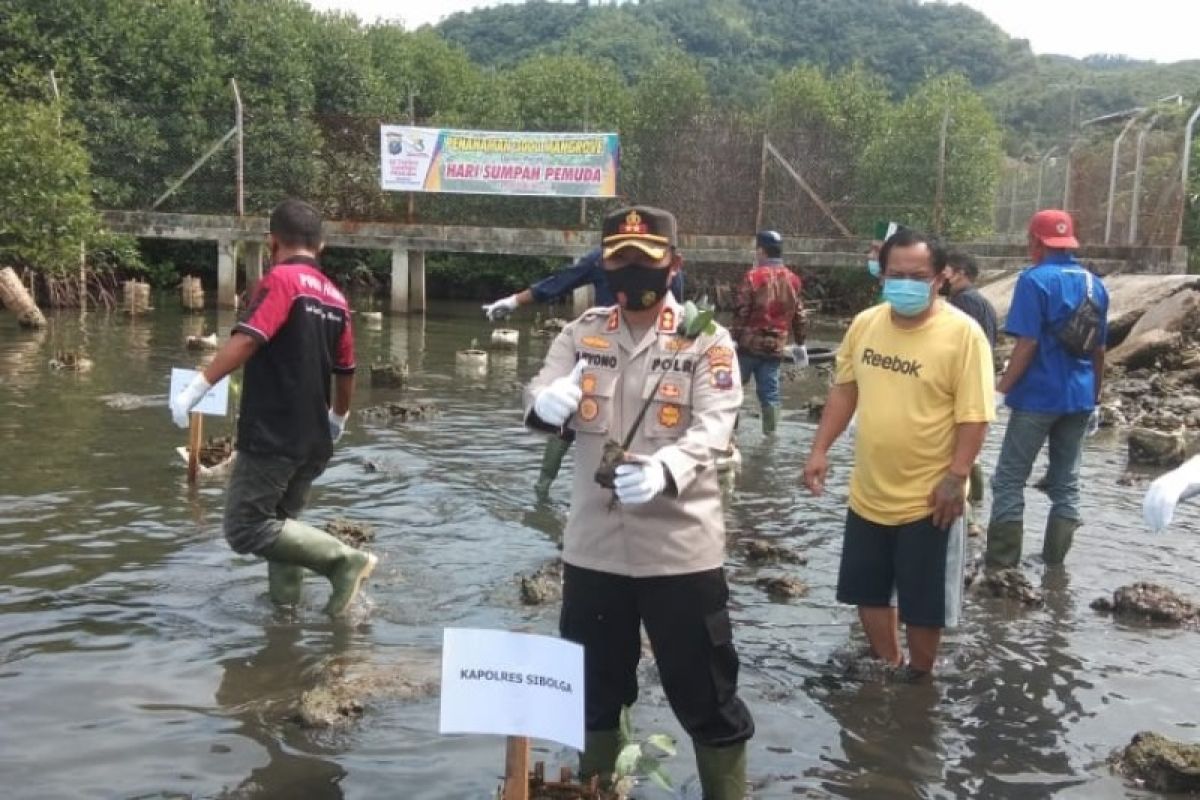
<point>917,566</point>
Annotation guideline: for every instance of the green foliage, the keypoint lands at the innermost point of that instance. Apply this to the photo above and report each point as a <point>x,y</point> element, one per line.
<point>45,190</point>
<point>641,759</point>
<point>472,276</point>
<point>741,43</point>
<point>560,92</point>
<point>146,90</point>
<point>696,320</point>
<point>901,162</point>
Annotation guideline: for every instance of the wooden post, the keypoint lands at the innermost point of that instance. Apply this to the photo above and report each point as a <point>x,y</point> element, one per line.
<point>516,769</point>
<point>195,438</point>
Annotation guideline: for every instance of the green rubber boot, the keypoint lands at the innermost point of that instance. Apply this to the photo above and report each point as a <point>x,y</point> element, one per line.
<point>286,581</point>
<point>722,771</point>
<point>770,419</point>
<point>552,458</point>
<point>599,756</point>
<point>1060,532</point>
<point>305,546</point>
<point>1004,544</point>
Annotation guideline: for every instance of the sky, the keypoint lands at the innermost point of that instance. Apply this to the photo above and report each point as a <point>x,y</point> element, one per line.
<point>1154,30</point>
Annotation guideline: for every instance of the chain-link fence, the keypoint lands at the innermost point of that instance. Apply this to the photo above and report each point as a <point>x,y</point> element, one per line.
<point>721,175</point>
<point>1122,182</point>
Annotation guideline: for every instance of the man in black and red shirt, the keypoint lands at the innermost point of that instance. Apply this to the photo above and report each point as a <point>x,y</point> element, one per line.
<point>293,337</point>
<point>768,307</point>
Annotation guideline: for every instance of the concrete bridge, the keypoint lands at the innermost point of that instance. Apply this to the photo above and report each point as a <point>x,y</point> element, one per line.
<point>408,244</point>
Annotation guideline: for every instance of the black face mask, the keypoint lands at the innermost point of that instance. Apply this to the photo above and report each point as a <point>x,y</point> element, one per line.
<point>637,287</point>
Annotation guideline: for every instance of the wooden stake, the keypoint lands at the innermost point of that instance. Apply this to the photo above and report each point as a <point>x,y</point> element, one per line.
<point>195,437</point>
<point>516,769</point>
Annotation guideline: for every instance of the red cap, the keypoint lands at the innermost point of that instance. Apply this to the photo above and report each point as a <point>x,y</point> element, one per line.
<point>1054,228</point>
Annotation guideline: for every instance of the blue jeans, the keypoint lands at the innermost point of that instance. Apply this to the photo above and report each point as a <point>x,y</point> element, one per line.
<point>1027,432</point>
<point>766,377</point>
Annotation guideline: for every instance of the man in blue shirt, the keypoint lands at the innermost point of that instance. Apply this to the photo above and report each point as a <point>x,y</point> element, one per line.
<point>1051,391</point>
<point>588,269</point>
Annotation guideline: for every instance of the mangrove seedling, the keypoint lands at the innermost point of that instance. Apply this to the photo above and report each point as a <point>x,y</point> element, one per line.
<point>638,760</point>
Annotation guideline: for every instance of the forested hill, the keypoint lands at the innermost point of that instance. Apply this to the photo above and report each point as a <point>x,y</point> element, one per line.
<point>741,44</point>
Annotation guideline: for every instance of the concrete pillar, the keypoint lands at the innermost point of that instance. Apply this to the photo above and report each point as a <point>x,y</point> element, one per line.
<point>255,256</point>
<point>227,273</point>
<point>416,280</point>
<point>400,278</point>
<point>582,299</point>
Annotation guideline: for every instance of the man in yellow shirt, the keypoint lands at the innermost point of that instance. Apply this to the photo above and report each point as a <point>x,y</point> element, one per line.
<point>919,373</point>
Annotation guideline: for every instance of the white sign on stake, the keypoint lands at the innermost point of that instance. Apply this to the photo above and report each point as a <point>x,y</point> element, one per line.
<point>514,684</point>
<point>215,402</point>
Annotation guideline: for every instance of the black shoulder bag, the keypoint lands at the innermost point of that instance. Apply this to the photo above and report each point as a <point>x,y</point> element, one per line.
<point>1080,334</point>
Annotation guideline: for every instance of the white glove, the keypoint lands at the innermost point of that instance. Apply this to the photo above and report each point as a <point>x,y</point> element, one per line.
<point>501,308</point>
<point>183,403</point>
<point>852,425</point>
<point>337,424</point>
<point>555,404</point>
<point>1158,506</point>
<point>639,480</point>
<point>1093,424</point>
<point>800,356</point>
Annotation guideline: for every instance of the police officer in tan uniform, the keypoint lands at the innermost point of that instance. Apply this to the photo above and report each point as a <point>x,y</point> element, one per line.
<point>649,550</point>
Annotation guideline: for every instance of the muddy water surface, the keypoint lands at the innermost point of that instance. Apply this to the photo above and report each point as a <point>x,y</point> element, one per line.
<point>140,658</point>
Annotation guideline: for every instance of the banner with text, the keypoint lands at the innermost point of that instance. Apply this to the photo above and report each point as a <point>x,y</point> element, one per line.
<point>494,162</point>
<point>516,684</point>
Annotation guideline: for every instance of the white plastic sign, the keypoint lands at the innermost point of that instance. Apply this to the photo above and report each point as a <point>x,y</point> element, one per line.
<point>215,402</point>
<point>515,684</point>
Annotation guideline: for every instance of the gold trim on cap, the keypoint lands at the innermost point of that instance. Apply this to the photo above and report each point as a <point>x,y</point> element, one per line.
<point>656,253</point>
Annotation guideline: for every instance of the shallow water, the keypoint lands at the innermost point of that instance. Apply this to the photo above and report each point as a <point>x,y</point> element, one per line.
<point>140,658</point>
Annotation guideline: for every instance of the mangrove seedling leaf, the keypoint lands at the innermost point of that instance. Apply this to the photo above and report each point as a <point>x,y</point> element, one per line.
<point>696,320</point>
<point>626,722</point>
<point>663,742</point>
<point>659,776</point>
<point>627,759</point>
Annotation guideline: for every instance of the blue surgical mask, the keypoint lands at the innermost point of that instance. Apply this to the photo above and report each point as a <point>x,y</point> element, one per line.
<point>873,267</point>
<point>908,296</point>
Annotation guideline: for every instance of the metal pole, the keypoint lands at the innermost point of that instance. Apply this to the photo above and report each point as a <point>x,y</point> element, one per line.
<point>1183,178</point>
<point>1067,179</point>
<point>1012,206</point>
<point>1037,204</point>
<point>1112,178</point>
<point>587,112</point>
<point>762,187</point>
<point>412,120</point>
<point>1137,180</point>
<point>940,193</point>
<point>240,157</point>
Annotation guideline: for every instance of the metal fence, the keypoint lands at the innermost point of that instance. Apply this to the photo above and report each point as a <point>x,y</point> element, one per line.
<point>719,176</point>
<point>1122,181</point>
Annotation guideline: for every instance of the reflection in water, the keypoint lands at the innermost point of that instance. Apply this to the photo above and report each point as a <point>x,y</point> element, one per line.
<point>21,359</point>
<point>262,692</point>
<point>107,560</point>
<point>889,740</point>
<point>1024,698</point>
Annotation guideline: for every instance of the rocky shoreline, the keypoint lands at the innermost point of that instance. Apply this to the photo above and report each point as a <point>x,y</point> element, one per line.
<point>1152,374</point>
